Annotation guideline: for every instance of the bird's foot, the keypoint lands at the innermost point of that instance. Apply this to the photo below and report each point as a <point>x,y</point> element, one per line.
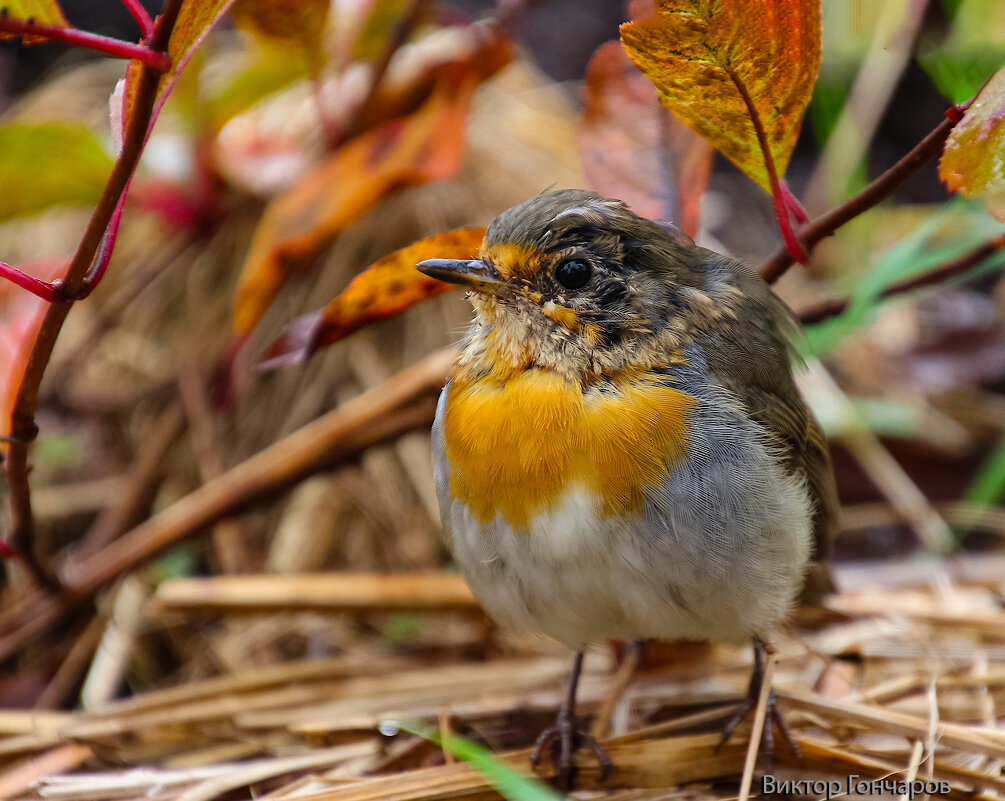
<point>773,716</point>
<point>565,738</point>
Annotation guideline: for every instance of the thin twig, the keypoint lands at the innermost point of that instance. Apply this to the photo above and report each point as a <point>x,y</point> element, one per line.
<point>958,266</point>
<point>156,58</point>
<point>874,193</point>
<point>37,287</point>
<point>22,419</point>
<point>142,17</point>
<point>402,404</point>
<point>760,721</point>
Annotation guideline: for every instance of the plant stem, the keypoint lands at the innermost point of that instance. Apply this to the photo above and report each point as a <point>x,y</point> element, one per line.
<point>37,287</point>
<point>792,243</point>
<point>139,13</point>
<point>958,266</point>
<point>873,194</point>
<point>155,58</point>
<point>22,416</point>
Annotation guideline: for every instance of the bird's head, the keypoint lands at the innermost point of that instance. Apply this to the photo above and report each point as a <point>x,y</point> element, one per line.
<point>577,283</point>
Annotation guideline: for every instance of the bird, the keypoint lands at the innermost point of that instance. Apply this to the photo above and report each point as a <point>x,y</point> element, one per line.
<point>620,451</point>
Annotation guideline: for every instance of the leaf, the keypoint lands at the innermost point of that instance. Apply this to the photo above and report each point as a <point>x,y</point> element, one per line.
<point>298,22</point>
<point>388,286</point>
<point>423,147</point>
<point>633,149</point>
<point>507,781</point>
<point>43,12</point>
<point>21,315</point>
<point>195,20</point>
<point>953,230</point>
<point>739,72</point>
<point>973,162</point>
<point>46,164</point>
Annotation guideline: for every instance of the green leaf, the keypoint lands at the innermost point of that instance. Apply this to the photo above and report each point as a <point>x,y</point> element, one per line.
<point>953,230</point>
<point>506,781</point>
<point>253,83</point>
<point>48,164</point>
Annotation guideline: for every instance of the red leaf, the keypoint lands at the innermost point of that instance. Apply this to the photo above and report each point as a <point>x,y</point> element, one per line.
<point>633,149</point>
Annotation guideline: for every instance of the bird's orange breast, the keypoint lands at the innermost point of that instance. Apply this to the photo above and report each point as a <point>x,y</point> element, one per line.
<point>514,446</point>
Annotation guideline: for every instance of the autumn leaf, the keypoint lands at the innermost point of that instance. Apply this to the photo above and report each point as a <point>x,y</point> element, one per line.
<point>633,149</point>
<point>425,146</point>
<point>21,315</point>
<point>195,20</point>
<point>46,164</point>
<point>299,22</point>
<point>739,72</point>
<point>42,12</point>
<point>973,162</point>
<point>387,287</point>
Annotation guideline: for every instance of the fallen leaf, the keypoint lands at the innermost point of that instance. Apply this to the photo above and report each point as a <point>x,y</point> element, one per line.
<point>298,22</point>
<point>425,146</point>
<point>387,287</point>
<point>43,12</point>
<point>739,72</point>
<point>972,161</point>
<point>633,149</point>
<point>46,164</point>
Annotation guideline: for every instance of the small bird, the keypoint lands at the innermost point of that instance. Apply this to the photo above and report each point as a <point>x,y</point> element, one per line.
<point>620,451</point>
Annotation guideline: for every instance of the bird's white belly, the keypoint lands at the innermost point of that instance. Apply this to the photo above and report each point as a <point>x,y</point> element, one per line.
<point>580,579</point>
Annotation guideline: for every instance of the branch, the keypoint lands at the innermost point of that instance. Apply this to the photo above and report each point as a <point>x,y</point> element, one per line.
<point>154,57</point>
<point>834,307</point>
<point>403,403</point>
<point>874,193</point>
<point>74,284</point>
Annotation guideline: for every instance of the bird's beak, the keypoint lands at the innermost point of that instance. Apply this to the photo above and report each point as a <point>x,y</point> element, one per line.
<point>474,274</point>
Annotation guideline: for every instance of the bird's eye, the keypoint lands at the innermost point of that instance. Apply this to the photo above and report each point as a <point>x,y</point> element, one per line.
<point>572,273</point>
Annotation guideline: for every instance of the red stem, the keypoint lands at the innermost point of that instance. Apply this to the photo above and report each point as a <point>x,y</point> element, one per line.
<point>154,59</point>
<point>37,287</point>
<point>21,426</point>
<point>104,254</point>
<point>793,205</point>
<point>872,195</point>
<point>792,244</point>
<point>139,13</point>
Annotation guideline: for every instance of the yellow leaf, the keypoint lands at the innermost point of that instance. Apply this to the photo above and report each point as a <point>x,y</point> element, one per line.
<point>973,161</point>
<point>301,22</point>
<point>739,72</point>
<point>42,12</point>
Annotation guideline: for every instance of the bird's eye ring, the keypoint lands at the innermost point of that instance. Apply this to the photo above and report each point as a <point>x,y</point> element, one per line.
<point>573,273</point>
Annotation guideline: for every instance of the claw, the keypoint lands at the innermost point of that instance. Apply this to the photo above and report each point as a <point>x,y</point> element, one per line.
<point>773,714</point>
<point>566,737</point>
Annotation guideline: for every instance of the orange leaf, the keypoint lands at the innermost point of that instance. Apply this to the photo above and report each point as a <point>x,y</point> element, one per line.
<point>388,286</point>
<point>633,149</point>
<point>425,146</point>
<point>973,162</point>
<point>42,12</point>
<point>21,315</point>
<point>301,22</point>
<point>739,72</point>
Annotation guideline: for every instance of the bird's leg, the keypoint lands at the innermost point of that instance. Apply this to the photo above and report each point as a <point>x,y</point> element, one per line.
<point>565,738</point>
<point>772,714</point>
